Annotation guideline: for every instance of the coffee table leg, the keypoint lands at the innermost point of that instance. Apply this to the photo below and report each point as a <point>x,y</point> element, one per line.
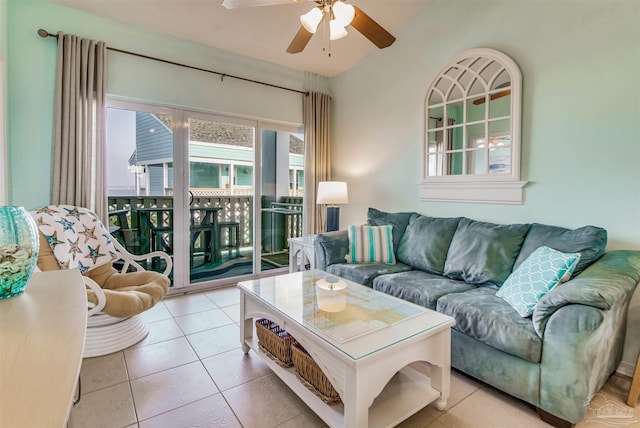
<point>440,380</point>
<point>356,409</point>
<point>441,368</point>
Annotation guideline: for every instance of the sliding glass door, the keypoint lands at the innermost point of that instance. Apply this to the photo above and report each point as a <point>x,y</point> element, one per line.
<point>140,173</point>
<point>222,195</point>
<point>281,192</point>
<point>222,154</point>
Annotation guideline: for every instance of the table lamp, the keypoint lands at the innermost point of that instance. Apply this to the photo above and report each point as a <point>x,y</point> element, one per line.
<point>330,296</point>
<point>332,193</point>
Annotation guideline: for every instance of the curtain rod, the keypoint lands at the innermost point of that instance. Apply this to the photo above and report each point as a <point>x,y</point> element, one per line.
<point>44,34</point>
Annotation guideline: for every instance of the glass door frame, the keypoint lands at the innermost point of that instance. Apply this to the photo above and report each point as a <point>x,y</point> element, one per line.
<point>257,146</point>
<point>181,216</point>
<point>180,270</point>
<point>258,187</point>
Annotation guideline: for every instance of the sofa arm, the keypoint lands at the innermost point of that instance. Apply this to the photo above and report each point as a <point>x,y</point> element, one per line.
<point>582,346</point>
<point>331,248</point>
<point>611,279</point>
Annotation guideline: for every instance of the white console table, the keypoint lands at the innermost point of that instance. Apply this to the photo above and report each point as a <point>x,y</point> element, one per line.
<point>301,253</point>
<point>42,335</point>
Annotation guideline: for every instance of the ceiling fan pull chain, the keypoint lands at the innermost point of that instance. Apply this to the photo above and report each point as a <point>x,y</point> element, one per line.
<point>328,25</point>
<point>327,28</point>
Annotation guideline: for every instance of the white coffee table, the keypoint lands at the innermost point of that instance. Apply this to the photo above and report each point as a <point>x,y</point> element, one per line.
<point>363,341</point>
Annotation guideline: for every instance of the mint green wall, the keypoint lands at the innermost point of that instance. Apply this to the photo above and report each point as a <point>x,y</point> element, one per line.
<point>31,81</point>
<point>580,63</point>
<point>580,118</point>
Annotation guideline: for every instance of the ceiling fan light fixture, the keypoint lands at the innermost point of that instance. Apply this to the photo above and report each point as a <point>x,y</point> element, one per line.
<point>336,15</point>
<point>343,13</point>
<point>336,30</point>
<point>311,20</point>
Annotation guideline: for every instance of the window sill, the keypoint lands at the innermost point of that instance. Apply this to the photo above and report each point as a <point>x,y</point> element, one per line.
<point>474,191</point>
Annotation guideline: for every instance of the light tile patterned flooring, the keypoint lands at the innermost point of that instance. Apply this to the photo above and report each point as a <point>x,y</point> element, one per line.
<point>190,372</point>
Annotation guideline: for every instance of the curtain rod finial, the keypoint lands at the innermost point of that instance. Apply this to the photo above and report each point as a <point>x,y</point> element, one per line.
<point>44,33</point>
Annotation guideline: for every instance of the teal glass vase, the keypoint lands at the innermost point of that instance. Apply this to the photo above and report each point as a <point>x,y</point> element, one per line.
<point>18,250</point>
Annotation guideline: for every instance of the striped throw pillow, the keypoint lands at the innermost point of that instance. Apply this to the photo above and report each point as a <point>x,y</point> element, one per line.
<point>371,244</point>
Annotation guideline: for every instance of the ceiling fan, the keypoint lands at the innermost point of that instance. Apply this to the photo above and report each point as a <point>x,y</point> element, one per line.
<point>339,15</point>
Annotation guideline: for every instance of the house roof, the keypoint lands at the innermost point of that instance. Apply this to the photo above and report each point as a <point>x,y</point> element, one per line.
<point>154,140</point>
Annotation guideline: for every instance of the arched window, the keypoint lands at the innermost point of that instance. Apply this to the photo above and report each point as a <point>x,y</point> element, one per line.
<point>472,130</point>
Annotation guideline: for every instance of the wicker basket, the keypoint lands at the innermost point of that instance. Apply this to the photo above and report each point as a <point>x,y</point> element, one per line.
<point>311,376</point>
<point>274,341</point>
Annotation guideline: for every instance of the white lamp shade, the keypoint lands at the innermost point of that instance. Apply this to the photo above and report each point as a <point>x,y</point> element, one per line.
<point>332,193</point>
<point>343,13</point>
<point>311,20</point>
<point>336,30</point>
<point>330,296</point>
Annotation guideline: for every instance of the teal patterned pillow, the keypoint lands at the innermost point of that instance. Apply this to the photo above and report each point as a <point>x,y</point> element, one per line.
<point>371,244</point>
<point>536,276</point>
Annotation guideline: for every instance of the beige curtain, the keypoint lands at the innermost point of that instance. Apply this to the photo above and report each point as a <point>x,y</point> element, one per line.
<point>317,163</point>
<point>78,170</point>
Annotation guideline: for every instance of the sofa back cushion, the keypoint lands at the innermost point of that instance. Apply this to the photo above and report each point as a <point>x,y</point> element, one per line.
<point>398,221</point>
<point>589,241</point>
<point>484,252</point>
<point>426,241</point>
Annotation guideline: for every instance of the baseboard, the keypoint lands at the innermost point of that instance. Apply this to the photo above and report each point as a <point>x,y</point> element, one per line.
<point>626,369</point>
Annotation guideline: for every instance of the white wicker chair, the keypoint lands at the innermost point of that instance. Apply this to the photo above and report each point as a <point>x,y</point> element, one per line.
<point>107,334</point>
<point>72,237</point>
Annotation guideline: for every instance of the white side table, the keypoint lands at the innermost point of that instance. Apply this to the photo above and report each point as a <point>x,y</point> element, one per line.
<point>301,253</point>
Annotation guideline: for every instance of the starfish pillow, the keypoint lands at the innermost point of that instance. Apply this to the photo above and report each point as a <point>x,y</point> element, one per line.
<point>76,236</point>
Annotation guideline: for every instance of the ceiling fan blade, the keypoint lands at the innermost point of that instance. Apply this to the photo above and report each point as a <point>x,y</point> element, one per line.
<point>232,4</point>
<point>371,29</point>
<point>494,96</point>
<point>300,41</point>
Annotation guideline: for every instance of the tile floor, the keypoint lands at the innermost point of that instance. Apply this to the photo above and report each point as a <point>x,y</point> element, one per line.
<point>190,372</point>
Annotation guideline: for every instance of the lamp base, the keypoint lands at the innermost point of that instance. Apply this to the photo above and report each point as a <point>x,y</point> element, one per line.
<point>333,219</point>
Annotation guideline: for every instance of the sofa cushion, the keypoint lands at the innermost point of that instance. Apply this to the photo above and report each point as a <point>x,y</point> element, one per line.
<point>398,221</point>
<point>540,273</point>
<point>480,314</point>
<point>589,241</point>
<point>370,244</point>
<point>426,241</point>
<point>330,248</point>
<point>364,273</point>
<point>484,252</point>
<point>46,259</point>
<point>419,287</point>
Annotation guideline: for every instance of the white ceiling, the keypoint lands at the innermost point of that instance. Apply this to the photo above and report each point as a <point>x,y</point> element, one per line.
<point>258,32</point>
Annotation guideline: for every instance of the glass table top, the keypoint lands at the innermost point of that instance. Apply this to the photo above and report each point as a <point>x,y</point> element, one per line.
<point>355,319</point>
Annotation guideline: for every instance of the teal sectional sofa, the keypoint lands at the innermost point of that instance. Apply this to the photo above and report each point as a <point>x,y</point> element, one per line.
<point>557,358</point>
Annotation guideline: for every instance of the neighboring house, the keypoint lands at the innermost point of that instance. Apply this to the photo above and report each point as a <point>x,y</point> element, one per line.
<point>221,158</point>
